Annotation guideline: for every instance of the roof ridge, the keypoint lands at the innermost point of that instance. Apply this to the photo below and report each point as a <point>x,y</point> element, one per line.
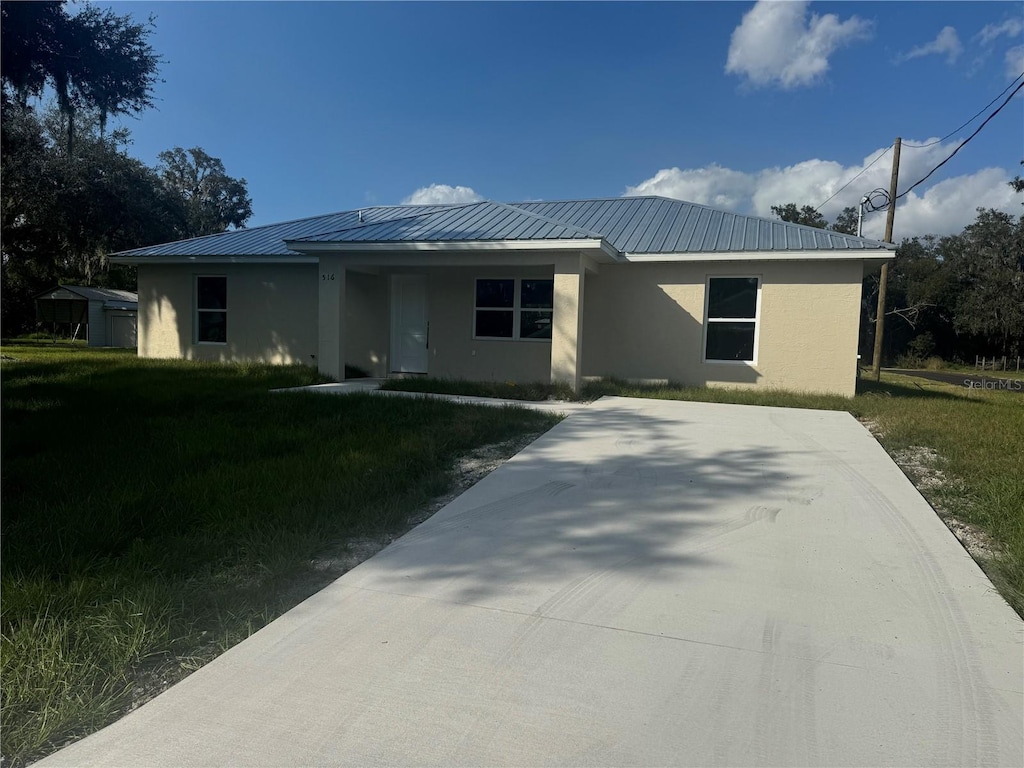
<point>697,205</point>
<point>550,220</point>
<point>360,224</point>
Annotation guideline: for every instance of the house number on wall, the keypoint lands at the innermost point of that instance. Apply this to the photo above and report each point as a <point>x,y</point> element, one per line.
<point>326,275</point>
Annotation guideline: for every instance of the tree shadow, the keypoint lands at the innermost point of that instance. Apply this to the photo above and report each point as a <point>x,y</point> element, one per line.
<point>648,499</point>
<point>908,390</point>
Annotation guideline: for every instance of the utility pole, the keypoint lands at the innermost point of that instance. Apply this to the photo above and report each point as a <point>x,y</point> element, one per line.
<point>883,280</point>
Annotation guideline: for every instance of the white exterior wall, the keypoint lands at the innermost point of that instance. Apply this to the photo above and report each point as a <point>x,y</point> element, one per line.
<point>97,325</point>
<point>646,321</point>
<point>272,312</point>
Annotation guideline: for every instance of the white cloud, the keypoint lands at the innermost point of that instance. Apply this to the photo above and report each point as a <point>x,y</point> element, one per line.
<point>1015,61</point>
<point>941,209</point>
<point>949,206</point>
<point>946,43</point>
<point>776,43</point>
<point>990,32</point>
<point>715,186</point>
<point>442,194</point>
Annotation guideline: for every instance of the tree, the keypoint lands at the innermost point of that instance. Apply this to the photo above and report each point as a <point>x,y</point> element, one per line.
<point>987,261</point>
<point>846,222</point>
<point>807,215</point>
<point>1017,183</point>
<point>62,214</point>
<point>213,201</point>
<point>94,60</point>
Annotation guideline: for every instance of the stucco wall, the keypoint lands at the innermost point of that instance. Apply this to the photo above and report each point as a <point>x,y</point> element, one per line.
<point>272,312</point>
<point>454,353</point>
<point>367,322</point>
<point>645,321</point>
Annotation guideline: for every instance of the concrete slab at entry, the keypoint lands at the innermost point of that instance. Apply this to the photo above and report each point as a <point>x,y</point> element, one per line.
<point>650,583</point>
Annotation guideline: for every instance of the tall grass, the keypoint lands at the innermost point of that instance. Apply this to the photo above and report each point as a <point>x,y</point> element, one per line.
<point>157,512</point>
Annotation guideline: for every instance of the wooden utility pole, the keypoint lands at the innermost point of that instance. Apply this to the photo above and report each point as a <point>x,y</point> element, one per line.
<point>883,280</point>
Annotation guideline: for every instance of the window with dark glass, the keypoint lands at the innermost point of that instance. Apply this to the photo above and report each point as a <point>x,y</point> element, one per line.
<point>731,323</point>
<point>510,308</point>
<point>211,310</point>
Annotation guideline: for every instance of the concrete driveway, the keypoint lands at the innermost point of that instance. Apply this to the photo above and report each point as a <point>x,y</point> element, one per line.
<point>650,583</point>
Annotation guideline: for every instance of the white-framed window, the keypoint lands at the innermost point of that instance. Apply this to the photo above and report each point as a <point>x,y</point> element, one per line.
<point>211,309</point>
<point>513,308</point>
<point>732,307</point>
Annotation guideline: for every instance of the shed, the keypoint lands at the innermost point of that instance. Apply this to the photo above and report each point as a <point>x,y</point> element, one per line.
<point>110,315</point>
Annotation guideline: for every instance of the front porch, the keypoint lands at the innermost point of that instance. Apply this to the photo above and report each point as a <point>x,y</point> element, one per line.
<point>479,316</point>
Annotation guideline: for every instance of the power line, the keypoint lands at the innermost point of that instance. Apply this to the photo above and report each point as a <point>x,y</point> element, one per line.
<point>967,140</point>
<point>975,117</point>
<point>855,177</point>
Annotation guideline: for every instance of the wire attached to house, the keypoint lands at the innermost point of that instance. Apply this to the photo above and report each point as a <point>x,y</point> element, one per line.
<point>975,117</point>
<point>965,142</point>
<point>877,200</point>
<point>855,177</point>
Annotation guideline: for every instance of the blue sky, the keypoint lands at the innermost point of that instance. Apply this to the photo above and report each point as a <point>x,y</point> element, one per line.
<point>331,106</point>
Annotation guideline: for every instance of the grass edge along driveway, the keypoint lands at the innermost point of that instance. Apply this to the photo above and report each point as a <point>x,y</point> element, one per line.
<point>156,513</point>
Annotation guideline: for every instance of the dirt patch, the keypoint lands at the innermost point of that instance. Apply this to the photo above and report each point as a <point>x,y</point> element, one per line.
<point>921,465</point>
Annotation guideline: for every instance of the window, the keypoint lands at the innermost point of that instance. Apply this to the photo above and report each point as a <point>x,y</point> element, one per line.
<point>211,310</point>
<point>730,328</point>
<point>512,308</point>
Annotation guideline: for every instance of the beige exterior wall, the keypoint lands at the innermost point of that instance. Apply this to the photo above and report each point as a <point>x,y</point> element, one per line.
<point>272,312</point>
<point>640,321</point>
<point>646,321</point>
<point>454,353</point>
<point>367,322</point>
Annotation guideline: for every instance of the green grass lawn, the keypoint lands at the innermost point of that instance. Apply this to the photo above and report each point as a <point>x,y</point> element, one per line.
<point>157,512</point>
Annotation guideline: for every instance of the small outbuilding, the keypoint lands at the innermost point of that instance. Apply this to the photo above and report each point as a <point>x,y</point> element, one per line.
<point>110,315</point>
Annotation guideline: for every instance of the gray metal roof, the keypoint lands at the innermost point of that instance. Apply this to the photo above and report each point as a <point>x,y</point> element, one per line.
<point>639,225</point>
<point>111,297</point>
<point>268,240</point>
<point>472,221</point>
<point>629,225</point>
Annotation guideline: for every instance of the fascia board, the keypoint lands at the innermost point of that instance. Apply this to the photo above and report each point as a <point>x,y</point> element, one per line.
<point>844,255</point>
<point>136,260</point>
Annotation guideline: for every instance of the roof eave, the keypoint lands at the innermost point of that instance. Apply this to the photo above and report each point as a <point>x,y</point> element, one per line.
<point>865,254</point>
<point>214,259</point>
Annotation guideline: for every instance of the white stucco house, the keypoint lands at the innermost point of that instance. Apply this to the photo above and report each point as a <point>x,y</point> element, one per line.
<point>641,288</point>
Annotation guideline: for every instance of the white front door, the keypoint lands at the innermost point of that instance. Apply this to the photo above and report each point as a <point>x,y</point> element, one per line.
<point>409,324</point>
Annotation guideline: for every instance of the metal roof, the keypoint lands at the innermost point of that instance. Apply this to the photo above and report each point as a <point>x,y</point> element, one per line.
<point>473,221</point>
<point>111,297</point>
<point>268,240</point>
<point>628,225</point>
<point>640,225</point>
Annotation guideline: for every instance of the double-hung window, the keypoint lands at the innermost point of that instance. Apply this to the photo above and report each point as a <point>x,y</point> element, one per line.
<point>513,308</point>
<point>211,309</point>
<point>731,318</point>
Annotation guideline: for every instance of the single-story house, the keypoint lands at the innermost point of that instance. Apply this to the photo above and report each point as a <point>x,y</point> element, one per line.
<point>110,315</point>
<point>639,288</point>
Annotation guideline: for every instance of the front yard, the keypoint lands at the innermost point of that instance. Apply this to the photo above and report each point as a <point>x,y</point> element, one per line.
<point>157,512</point>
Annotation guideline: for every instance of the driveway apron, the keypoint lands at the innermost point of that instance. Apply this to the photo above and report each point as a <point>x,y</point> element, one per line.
<point>650,583</point>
